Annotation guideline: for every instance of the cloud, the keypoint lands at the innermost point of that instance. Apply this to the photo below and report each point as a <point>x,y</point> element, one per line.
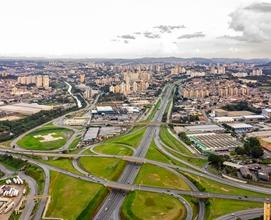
<point>151,35</point>
<point>137,33</point>
<point>259,7</point>
<point>252,23</point>
<point>127,37</point>
<point>194,35</point>
<point>168,28</point>
<point>126,41</point>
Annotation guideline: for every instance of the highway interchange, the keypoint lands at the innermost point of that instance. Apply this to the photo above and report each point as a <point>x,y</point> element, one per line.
<point>110,208</point>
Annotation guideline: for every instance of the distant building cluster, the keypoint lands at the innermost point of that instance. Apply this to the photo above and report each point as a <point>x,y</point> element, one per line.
<point>218,69</point>
<point>41,81</point>
<point>178,69</point>
<point>133,82</point>
<point>203,89</point>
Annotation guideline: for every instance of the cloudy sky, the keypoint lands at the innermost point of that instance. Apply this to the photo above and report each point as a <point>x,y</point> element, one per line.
<point>135,28</point>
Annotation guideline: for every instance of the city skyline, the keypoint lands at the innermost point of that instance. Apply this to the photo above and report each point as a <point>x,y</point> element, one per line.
<point>99,29</point>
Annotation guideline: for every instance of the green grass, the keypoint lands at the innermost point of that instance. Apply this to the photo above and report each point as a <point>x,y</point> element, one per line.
<point>172,142</point>
<point>216,187</point>
<point>151,175</point>
<point>152,206</point>
<point>74,142</point>
<point>220,207</point>
<point>154,110</point>
<point>34,143</point>
<point>72,198</point>
<point>133,139</point>
<point>64,164</point>
<point>109,168</point>
<point>113,149</point>
<point>154,154</point>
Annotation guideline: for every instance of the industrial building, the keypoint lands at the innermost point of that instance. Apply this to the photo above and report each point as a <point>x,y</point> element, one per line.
<point>204,128</point>
<point>212,142</point>
<point>91,135</point>
<point>240,127</point>
<point>103,110</point>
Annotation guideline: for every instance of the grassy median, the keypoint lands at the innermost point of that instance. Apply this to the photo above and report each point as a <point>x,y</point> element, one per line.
<point>147,205</point>
<point>113,149</point>
<point>109,168</point>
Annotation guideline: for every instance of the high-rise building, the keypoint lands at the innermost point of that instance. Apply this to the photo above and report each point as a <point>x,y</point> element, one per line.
<point>39,81</point>
<point>45,82</point>
<point>82,78</point>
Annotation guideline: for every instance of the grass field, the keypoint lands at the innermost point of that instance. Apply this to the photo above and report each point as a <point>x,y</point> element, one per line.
<point>152,206</point>
<point>220,207</point>
<point>109,168</point>
<point>151,175</point>
<point>74,143</point>
<point>154,154</point>
<point>215,187</point>
<point>64,164</point>
<point>172,142</point>
<point>31,142</point>
<point>133,139</point>
<point>154,110</point>
<point>72,198</point>
<point>113,149</point>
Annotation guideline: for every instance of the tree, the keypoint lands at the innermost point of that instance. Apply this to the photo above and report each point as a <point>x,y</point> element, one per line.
<point>240,151</point>
<point>253,148</point>
<point>217,160</point>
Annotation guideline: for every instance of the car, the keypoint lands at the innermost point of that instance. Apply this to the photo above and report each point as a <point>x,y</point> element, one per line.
<point>105,209</point>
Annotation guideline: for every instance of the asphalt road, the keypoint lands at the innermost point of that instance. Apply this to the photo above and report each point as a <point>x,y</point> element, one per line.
<point>115,198</point>
<point>243,215</point>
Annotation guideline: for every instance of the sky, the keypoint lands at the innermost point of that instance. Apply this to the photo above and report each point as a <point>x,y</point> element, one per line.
<point>135,28</point>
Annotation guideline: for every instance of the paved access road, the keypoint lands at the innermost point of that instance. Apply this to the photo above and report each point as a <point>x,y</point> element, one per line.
<point>243,215</point>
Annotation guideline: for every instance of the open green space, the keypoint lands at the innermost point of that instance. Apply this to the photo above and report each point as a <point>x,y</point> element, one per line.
<point>152,206</point>
<point>113,149</point>
<point>39,140</point>
<point>74,143</point>
<point>65,164</point>
<point>133,138</point>
<point>109,168</point>
<point>151,175</point>
<point>154,110</point>
<point>172,142</point>
<point>72,198</point>
<point>154,154</point>
<point>216,187</point>
<point>220,207</point>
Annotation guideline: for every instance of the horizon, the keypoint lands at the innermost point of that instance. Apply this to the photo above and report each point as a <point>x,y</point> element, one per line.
<point>98,29</point>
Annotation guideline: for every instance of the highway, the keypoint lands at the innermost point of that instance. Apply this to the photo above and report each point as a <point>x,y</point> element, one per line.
<point>115,198</point>
<point>243,215</point>
<point>112,203</point>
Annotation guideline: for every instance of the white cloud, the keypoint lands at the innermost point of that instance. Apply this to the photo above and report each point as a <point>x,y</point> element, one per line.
<point>91,28</point>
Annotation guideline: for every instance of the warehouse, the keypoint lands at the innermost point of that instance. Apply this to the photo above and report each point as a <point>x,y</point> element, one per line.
<point>212,142</point>
<point>204,128</point>
<point>240,127</point>
<point>91,135</point>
